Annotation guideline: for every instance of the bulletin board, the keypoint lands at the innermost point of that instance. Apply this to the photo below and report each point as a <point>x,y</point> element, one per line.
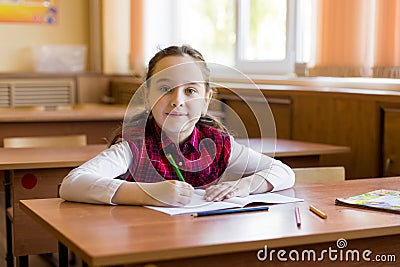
<point>29,11</point>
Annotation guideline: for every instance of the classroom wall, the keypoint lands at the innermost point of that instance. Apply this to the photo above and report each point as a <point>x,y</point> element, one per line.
<point>16,39</point>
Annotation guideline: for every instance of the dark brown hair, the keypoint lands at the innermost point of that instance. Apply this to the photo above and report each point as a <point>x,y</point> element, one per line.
<point>184,50</point>
<point>179,51</point>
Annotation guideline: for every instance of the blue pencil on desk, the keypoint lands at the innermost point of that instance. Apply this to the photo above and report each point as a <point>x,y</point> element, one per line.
<point>228,211</point>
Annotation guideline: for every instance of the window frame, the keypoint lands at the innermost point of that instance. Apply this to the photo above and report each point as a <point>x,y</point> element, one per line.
<point>284,66</point>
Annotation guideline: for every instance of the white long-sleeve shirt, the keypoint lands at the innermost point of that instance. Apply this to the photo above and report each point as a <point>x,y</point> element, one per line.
<point>94,181</point>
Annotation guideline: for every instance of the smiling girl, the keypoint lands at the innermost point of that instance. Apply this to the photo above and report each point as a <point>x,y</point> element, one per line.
<point>136,170</point>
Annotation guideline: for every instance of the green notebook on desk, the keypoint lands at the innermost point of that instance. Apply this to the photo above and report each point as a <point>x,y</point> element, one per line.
<point>384,200</point>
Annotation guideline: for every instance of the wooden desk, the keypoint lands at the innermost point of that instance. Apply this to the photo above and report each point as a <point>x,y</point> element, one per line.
<point>294,153</point>
<point>34,173</point>
<point>50,165</point>
<point>110,235</point>
<point>96,121</point>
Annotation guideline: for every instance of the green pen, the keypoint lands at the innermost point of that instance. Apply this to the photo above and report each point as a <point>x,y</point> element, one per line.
<point>178,172</point>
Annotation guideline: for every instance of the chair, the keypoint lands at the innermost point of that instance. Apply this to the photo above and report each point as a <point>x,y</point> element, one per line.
<point>43,141</point>
<point>319,174</point>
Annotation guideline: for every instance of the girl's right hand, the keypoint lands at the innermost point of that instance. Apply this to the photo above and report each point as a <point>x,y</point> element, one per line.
<point>168,193</point>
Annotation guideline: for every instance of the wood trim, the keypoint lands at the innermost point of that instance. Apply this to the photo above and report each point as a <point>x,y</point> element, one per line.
<point>96,44</point>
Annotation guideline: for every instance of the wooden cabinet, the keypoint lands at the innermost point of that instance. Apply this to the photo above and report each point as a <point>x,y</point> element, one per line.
<point>282,110</point>
<point>391,142</point>
<point>240,117</point>
<point>341,117</point>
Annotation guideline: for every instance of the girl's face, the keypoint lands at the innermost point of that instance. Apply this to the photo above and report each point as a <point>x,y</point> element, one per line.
<point>177,96</point>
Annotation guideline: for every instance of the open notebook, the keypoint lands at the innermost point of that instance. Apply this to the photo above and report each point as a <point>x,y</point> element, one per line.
<point>198,204</point>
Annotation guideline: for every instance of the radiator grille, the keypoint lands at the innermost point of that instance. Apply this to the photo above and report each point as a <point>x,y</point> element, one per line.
<point>20,93</point>
<point>4,95</point>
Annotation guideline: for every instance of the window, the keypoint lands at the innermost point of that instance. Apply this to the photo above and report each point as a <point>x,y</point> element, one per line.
<point>264,36</point>
<point>254,36</point>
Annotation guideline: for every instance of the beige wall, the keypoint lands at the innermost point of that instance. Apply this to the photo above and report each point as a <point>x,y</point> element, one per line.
<point>16,40</point>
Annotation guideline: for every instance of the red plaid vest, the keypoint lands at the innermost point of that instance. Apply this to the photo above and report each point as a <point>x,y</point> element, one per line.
<point>202,159</point>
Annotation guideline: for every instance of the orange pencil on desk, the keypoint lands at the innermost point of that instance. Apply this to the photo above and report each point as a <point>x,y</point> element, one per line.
<point>318,212</point>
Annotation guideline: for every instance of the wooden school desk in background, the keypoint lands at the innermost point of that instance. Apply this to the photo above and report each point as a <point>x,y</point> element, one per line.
<point>34,173</point>
<point>294,153</point>
<point>96,121</point>
<point>104,235</point>
<point>99,121</point>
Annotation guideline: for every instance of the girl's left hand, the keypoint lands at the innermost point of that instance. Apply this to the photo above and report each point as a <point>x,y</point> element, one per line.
<point>225,190</point>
